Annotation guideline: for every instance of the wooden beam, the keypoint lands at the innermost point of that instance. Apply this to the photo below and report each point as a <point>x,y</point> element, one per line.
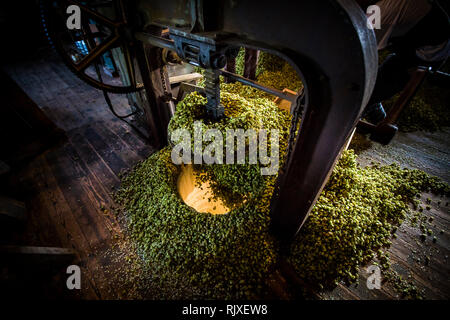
<point>283,103</point>
<point>185,78</point>
<point>12,254</point>
<point>186,88</point>
<point>12,209</point>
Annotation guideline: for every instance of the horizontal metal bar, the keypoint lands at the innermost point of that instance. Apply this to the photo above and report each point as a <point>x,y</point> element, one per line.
<point>155,40</point>
<point>169,44</point>
<point>441,73</point>
<point>257,85</point>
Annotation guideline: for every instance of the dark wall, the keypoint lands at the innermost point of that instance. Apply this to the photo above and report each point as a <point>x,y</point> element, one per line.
<point>20,29</point>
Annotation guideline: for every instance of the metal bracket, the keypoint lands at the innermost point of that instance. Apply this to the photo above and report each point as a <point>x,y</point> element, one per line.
<point>200,51</point>
<point>205,53</point>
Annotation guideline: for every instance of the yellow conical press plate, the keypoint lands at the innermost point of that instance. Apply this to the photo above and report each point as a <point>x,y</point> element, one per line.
<point>197,197</point>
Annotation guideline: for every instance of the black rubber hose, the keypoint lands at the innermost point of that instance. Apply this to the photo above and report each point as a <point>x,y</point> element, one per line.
<point>113,111</point>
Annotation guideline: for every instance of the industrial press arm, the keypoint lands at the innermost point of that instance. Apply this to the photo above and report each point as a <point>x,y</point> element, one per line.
<point>327,42</point>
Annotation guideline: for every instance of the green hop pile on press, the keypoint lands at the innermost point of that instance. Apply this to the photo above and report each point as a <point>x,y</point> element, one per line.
<point>233,183</point>
<point>281,79</point>
<point>274,72</point>
<point>191,254</point>
<point>203,255</point>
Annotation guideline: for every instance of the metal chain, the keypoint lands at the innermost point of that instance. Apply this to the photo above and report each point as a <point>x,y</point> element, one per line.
<point>162,70</point>
<point>212,88</point>
<point>296,115</point>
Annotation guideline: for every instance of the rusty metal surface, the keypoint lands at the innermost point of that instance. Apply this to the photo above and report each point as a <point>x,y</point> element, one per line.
<point>329,45</point>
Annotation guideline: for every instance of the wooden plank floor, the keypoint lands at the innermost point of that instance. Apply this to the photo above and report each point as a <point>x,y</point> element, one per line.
<point>66,189</point>
<point>425,264</point>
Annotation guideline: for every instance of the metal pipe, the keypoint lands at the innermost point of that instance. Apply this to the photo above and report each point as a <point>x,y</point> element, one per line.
<point>155,40</point>
<point>256,85</point>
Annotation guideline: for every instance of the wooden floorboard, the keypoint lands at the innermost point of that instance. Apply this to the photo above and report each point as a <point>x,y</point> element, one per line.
<point>68,189</point>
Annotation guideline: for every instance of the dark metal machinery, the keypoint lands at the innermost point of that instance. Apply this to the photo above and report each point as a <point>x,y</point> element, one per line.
<point>327,42</point>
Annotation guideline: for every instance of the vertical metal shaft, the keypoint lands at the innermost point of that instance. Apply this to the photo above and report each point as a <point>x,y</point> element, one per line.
<point>212,88</point>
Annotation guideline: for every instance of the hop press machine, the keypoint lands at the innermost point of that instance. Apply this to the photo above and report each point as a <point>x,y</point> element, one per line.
<point>327,42</point>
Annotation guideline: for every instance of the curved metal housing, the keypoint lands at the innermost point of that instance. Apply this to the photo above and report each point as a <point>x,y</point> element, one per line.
<point>333,50</point>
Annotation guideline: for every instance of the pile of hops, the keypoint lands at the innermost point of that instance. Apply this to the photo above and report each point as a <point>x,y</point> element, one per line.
<point>356,215</point>
<point>271,71</point>
<point>240,62</point>
<point>197,255</point>
<point>428,110</point>
<point>191,254</point>
<point>269,62</point>
<point>233,183</point>
<point>285,78</point>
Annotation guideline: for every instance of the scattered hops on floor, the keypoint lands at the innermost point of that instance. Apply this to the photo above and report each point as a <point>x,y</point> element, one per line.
<point>193,254</point>
<point>356,215</point>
